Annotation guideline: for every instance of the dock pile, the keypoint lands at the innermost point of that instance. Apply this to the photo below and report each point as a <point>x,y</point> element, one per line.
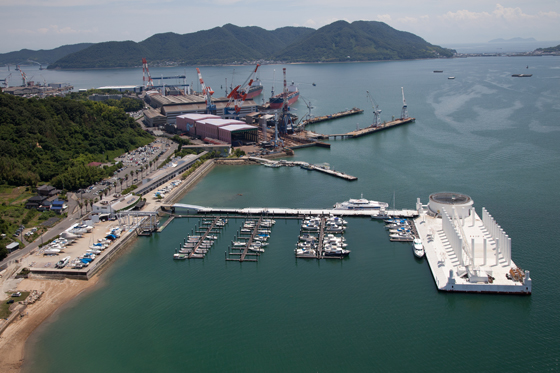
<point>400,230</point>
<point>321,237</point>
<point>196,245</point>
<point>250,240</point>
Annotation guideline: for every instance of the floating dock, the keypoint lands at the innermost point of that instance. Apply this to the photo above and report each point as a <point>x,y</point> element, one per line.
<point>325,118</point>
<point>367,130</point>
<point>467,253</point>
<point>305,165</point>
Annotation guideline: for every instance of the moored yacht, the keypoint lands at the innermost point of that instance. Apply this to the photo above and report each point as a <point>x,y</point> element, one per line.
<point>360,204</point>
<point>418,248</point>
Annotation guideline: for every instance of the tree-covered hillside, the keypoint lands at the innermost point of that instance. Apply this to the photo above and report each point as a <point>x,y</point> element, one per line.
<point>216,46</point>
<point>41,56</point>
<point>360,41</point>
<point>53,139</point>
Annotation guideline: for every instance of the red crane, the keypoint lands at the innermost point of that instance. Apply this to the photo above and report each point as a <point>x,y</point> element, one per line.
<point>146,78</point>
<point>207,92</point>
<point>238,95</point>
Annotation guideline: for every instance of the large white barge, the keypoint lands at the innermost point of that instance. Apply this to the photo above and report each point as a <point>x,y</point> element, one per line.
<point>467,253</point>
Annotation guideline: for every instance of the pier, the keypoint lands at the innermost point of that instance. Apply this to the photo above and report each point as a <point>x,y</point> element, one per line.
<point>243,254</point>
<point>367,130</point>
<point>305,165</point>
<point>325,118</point>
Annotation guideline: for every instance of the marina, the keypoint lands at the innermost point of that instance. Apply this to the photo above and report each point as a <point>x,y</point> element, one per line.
<point>456,143</point>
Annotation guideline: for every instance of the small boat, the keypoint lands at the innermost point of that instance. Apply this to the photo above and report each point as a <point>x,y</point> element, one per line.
<point>62,263</point>
<point>335,251</point>
<point>272,165</point>
<point>451,77</point>
<point>522,75</point>
<point>179,256</point>
<point>256,249</point>
<point>418,248</point>
<point>305,253</point>
<point>438,71</point>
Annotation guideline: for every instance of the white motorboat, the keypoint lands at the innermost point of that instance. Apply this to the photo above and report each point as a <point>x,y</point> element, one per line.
<point>62,263</point>
<point>256,249</point>
<point>418,248</point>
<point>51,252</point>
<point>335,251</point>
<point>305,253</point>
<point>360,204</point>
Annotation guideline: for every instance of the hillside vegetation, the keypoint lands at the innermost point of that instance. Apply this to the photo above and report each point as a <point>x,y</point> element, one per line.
<point>360,41</point>
<point>219,45</point>
<point>41,56</point>
<point>339,41</point>
<point>53,139</point>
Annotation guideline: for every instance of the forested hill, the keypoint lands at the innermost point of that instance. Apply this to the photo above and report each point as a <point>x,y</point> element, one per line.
<point>220,45</point>
<point>360,41</point>
<point>339,41</point>
<point>53,139</point>
<point>41,56</point>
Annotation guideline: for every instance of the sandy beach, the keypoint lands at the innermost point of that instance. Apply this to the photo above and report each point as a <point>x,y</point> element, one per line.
<point>59,292</point>
<point>56,294</point>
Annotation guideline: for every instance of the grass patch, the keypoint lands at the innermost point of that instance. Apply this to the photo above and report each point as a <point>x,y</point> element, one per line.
<point>5,307</point>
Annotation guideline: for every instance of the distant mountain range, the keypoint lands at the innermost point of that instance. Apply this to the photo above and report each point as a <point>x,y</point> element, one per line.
<point>230,44</point>
<point>43,57</point>
<point>512,40</point>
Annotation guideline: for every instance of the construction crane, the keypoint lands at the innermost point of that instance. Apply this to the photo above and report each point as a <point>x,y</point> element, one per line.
<point>6,81</point>
<point>404,112</point>
<point>308,115</point>
<point>207,92</point>
<point>286,119</point>
<point>376,111</point>
<point>147,81</point>
<point>23,77</point>
<point>238,95</point>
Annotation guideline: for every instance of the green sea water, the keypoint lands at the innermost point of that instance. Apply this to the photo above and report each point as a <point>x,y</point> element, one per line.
<point>484,133</point>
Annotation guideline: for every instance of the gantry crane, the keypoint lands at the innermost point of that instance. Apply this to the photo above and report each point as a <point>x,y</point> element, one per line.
<point>376,111</point>
<point>207,92</point>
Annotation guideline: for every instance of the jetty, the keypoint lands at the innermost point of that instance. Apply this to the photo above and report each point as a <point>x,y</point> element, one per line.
<point>324,118</point>
<point>245,250</point>
<point>364,131</point>
<point>310,167</point>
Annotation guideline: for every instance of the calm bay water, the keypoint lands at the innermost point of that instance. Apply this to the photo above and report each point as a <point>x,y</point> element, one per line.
<point>484,134</point>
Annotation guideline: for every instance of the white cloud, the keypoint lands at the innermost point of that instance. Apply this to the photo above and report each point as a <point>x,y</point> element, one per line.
<point>384,18</point>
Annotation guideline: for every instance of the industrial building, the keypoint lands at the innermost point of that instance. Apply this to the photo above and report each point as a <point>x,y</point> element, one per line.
<point>124,88</point>
<point>186,123</point>
<point>207,126</point>
<point>173,106</point>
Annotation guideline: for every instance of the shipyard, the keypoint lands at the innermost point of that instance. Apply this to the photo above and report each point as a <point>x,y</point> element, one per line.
<point>242,192</point>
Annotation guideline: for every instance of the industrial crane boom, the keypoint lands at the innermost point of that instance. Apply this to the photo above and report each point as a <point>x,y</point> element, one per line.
<point>207,92</point>
<point>238,95</point>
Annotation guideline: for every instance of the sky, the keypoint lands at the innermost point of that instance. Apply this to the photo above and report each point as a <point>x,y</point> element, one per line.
<point>47,24</point>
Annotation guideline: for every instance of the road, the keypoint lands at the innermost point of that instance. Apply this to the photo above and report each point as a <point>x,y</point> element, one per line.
<point>74,213</point>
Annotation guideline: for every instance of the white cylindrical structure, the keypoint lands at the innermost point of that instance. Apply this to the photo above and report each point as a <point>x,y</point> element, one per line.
<point>485,243</point>
<point>439,201</point>
<point>497,250</point>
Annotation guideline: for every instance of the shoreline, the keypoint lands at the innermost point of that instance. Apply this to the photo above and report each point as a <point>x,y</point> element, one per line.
<point>59,293</point>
